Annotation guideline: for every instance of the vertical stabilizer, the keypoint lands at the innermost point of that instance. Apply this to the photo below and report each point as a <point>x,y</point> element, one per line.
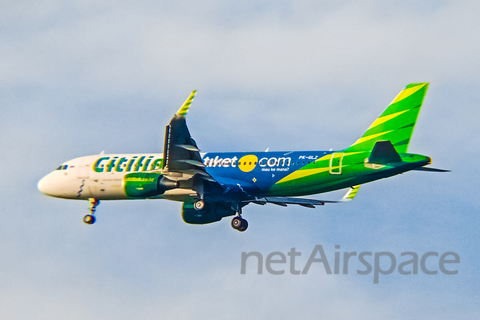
<point>397,122</point>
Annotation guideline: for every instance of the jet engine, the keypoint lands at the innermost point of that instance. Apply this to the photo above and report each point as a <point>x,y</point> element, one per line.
<point>209,213</point>
<point>146,185</point>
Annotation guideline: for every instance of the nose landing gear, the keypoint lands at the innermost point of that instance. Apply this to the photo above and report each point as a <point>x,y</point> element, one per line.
<point>90,218</point>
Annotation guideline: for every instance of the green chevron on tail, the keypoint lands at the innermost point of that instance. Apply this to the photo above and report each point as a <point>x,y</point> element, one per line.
<point>397,122</point>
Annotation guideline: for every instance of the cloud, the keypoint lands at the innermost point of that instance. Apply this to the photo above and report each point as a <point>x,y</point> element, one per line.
<point>241,46</point>
<point>80,77</point>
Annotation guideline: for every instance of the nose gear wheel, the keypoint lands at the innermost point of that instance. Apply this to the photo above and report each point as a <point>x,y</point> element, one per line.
<point>90,218</point>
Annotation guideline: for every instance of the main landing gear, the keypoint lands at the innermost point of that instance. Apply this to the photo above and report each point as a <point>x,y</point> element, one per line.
<point>238,222</point>
<point>90,218</point>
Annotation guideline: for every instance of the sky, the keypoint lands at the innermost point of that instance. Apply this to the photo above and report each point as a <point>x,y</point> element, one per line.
<point>81,77</point>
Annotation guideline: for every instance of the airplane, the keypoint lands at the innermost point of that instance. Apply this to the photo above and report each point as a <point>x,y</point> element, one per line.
<point>215,185</point>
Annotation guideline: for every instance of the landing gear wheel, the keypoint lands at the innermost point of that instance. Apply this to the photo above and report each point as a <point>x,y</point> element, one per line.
<point>89,219</point>
<point>200,205</point>
<point>236,222</point>
<point>244,225</point>
<point>239,224</point>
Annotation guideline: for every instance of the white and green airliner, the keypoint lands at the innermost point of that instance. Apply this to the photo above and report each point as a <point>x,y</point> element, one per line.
<point>215,185</point>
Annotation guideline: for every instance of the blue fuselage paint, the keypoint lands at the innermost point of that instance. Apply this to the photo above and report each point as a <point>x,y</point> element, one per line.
<point>259,172</point>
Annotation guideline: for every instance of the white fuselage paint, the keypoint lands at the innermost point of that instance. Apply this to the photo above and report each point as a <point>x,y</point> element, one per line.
<point>80,180</point>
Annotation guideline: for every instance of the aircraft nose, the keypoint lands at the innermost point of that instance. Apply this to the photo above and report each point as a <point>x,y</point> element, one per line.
<point>46,185</point>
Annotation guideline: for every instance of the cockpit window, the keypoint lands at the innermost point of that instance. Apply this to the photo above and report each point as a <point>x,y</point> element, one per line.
<point>64,167</point>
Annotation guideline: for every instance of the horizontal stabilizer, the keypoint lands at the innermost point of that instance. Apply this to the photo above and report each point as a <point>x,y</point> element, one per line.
<point>384,152</point>
<point>431,169</point>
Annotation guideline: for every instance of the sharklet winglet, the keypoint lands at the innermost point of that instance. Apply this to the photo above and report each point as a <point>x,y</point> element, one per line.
<point>351,193</point>
<point>182,112</point>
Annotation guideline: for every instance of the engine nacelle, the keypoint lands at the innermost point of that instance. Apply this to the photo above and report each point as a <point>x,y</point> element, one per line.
<point>146,185</point>
<point>213,212</point>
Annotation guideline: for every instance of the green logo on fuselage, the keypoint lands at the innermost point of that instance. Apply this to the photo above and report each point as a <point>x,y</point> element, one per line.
<point>123,164</point>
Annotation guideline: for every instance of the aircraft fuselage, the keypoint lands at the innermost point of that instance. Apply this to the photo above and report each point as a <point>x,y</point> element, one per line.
<point>243,174</point>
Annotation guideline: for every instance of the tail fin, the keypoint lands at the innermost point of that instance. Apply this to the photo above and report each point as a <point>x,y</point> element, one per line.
<point>397,122</point>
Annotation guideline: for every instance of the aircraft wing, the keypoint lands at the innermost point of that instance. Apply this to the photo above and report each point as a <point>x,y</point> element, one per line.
<point>284,201</point>
<point>309,203</point>
<point>180,151</point>
<point>182,159</point>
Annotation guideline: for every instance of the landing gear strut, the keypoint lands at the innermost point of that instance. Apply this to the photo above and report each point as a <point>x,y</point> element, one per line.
<point>238,222</point>
<point>90,218</point>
